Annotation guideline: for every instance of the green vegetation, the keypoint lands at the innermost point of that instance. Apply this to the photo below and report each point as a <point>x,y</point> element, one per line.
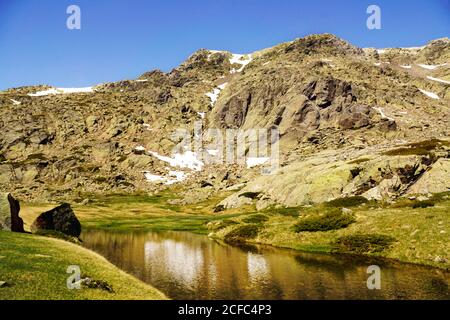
<point>346,202</point>
<point>421,234</point>
<point>328,221</point>
<point>242,233</point>
<point>423,204</point>
<point>57,235</point>
<point>363,243</point>
<point>419,148</point>
<point>35,267</point>
<point>255,218</point>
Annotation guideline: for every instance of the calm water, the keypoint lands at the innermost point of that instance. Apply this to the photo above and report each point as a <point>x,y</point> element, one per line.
<point>189,266</point>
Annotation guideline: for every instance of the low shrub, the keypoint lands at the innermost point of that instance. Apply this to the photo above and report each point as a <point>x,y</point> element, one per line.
<point>329,221</point>
<point>221,224</point>
<point>242,233</point>
<point>363,243</point>
<point>346,202</point>
<point>423,204</point>
<point>255,218</point>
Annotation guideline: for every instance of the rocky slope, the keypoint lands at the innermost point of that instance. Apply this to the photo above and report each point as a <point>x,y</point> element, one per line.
<point>352,121</point>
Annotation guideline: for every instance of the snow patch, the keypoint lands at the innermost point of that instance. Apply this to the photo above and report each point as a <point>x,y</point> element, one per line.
<point>406,66</point>
<point>430,66</point>
<point>202,114</point>
<point>186,160</point>
<point>256,161</point>
<point>382,114</point>
<point>429,94</point>
<point>139,148</point>
<point>438,80</point>
<point>213,152</point>
<point>172,178</point>
<point>61,91</point>
<point>15,102</point>
<point>242,59</point>
<point>214,95</point>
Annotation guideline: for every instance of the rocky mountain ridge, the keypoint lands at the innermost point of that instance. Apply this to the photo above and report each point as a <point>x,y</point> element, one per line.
<point>352,121</point>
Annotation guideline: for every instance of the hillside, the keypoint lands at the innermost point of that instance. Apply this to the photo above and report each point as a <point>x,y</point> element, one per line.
<point>352,122</point>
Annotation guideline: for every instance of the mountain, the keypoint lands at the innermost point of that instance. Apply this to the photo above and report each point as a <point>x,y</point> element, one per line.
<point>352,121</point>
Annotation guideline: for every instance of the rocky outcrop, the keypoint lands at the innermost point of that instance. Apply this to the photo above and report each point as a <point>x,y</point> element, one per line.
<point>435,180</point>
<point>61,219</point>
<point>326,177</point>
<point>9,214</point>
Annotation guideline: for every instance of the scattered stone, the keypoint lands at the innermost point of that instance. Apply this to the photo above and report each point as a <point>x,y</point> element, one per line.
<point>96,284</point>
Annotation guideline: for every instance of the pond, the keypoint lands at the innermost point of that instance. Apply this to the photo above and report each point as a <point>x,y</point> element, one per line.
<point>190,266</point>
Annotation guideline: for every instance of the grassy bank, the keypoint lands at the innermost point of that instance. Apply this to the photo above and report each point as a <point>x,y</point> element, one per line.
<point>140,211</point>
<point>34,267</point>
<point>407,230</point>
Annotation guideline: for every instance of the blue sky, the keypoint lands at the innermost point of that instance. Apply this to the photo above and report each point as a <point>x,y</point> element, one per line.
<point>122,39</point>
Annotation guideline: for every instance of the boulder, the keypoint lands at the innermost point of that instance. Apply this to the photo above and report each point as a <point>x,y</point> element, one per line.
<point>9,214</point>
<point>436,180</point>
<point>61,219</point>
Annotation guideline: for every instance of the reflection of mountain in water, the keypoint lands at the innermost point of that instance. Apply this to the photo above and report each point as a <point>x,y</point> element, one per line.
<point>188,266</point>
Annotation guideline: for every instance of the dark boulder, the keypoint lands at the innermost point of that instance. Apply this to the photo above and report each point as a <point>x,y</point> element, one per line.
<point>9,214</point>
<point>61,219</point>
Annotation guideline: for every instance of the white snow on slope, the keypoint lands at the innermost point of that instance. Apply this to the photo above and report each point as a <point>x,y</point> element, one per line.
<point>430,94</point>
<point>186,160</point>
<point>381,51</point>
<point>242,59</point>
<point>214,95</point>
<point>430,66</point>
<point>213,152</point>
<point>256,161</point>
<point>382,114</point>
<point>139,148</point>
<point>438,80</point>
<point>202,114</point>
<point>15,102</point>
<point>61,91</point>
<point>153,177</point>
<point>406,66</point>
<point>172,178</point>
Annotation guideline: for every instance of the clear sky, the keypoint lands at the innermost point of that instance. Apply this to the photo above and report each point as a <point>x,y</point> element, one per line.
<point>121,39</point>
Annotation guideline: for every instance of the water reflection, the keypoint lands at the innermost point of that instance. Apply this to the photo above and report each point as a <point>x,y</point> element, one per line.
<point>188,266</point>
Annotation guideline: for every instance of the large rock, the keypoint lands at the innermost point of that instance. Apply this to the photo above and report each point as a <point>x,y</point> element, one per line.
<point>9,214</point>
<point>61,219</point>
<point>437,179</point>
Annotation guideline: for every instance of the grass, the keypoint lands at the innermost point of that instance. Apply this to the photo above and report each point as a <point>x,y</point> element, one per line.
<point>122,212</point>
<point>419,148</point>
<point>329,221</point>
<point>363,243</point>
<point>242,233</point>
<point>347,202</point>
<point>34,267</point>
<point>421,234</point>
